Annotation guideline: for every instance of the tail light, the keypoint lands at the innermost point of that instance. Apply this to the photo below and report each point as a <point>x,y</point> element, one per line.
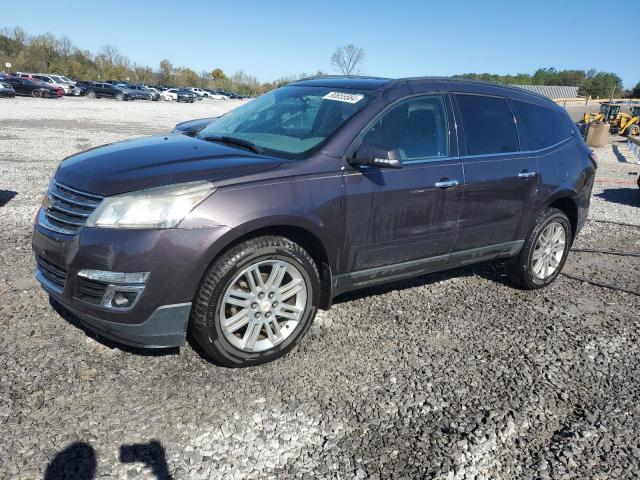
<point>594,159</point>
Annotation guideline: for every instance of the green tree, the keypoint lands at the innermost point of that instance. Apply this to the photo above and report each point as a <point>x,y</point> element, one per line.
<point>187,77</point>
<point>166,72</point>
<point>601,84</point>
<point>635,93</point>
<point>218,75</point>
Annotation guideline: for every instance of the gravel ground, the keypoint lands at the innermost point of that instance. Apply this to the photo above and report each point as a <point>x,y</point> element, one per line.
<point>448,376</point>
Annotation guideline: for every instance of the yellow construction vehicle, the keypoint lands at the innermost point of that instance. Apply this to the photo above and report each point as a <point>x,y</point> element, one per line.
<point>629,124</point>
<point>621,123</point>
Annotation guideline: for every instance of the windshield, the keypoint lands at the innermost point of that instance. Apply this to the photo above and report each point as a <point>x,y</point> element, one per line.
<point>290,121</point>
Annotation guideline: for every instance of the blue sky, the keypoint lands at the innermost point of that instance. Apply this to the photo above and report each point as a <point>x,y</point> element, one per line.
<point>274,38</point>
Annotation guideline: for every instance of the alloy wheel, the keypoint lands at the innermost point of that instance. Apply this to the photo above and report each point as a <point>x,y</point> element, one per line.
<point>549,250</point>
<point>263,305</point>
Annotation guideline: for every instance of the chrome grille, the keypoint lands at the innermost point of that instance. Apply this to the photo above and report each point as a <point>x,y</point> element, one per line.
<point>67,209</point>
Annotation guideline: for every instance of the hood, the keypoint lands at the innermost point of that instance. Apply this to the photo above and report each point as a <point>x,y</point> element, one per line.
<point>157,161</point>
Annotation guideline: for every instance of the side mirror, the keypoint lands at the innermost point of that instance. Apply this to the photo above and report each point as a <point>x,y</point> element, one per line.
<point>376,156</point>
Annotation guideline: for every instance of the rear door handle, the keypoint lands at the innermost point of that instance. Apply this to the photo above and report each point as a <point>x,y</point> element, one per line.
<point>526,174</point>
<point>447,183</point>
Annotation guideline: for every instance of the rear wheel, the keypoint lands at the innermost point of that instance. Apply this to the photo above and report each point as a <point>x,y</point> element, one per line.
<point>35,93</point>
<point>544,251</point>
<point>256,302</point>
<point>633,130</point>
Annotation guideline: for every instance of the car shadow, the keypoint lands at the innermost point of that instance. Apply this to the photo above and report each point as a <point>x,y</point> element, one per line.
<point>6,196</point>
<point>72,319</point>
<point>78,461</point>
<point>623,196</point>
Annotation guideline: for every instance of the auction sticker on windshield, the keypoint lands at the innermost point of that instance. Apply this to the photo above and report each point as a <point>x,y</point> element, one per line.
<point>344,97</point>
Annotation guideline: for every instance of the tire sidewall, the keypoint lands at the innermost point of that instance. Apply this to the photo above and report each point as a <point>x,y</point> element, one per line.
<point>558,217</point>
<point>212,332</point>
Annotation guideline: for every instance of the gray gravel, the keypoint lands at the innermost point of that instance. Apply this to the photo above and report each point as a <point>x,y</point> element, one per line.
<point>449,376</point>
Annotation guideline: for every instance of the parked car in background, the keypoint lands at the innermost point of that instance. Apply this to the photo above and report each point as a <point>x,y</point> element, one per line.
<point>186,95</point>
<point>192,127</point>
<point>218,96</point>
<point>106,90</point>
<point>156,93</point>
<point>143,92</point>
<point>82,87</point>
<point>32,87</point>
<point>64,81</point>
<point>6,90</point>
<point>47,79</point>
<point>169,94</point>
<point>199,92</point>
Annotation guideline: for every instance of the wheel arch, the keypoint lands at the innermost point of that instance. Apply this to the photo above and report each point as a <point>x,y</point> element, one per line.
<point>302,235</point>
<point>567,204</point>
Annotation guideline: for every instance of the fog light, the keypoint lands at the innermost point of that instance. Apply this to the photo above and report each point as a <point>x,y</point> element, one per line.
<point>123,289</point>
<point>120,300</point>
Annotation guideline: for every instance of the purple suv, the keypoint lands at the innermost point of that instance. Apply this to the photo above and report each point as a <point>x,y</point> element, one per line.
<point>239,233</point>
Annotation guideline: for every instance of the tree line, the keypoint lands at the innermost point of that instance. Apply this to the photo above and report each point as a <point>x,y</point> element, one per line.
<point>47,53</point>
<point>589,82</point>
<point>51,54</point>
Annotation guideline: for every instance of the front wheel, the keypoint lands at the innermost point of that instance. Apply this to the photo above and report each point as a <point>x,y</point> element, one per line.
<point>544,251</point>
<point>120,97</point>
<point>633,130</point>
<point>91,94</point>
<point>256,302</point>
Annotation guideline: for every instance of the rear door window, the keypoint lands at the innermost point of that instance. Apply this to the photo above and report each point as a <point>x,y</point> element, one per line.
<point>489,125</point>
<point>544,126</point>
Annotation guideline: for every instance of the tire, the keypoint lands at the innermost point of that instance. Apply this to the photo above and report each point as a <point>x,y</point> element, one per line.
<point>523,270</point>
<point>91,94</point>
<point>633,130</point>
<point>35,93</point>
<point>259,311</point>
<point>120,97</point>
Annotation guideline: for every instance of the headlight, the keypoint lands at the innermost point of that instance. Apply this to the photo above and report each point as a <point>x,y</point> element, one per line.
<point>163,207</point>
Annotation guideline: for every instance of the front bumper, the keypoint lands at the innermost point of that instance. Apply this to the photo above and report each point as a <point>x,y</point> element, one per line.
<point>166,327</point>
<point>176,260</point>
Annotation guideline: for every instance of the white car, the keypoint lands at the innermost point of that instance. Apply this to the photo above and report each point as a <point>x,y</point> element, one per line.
<point>155,90</point>
<point>64,81</point>
<point>218,96</point>
<point>171,94</point>
<point>200,92</point>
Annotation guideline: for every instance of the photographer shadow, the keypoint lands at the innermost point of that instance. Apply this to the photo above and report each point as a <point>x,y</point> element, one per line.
<point>78,461</point>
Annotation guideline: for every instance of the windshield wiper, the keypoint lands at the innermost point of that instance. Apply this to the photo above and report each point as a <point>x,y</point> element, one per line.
<point>235,141</point>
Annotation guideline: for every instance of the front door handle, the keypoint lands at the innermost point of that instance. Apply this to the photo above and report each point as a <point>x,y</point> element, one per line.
<point>446,183</point>
<point>526,174</point>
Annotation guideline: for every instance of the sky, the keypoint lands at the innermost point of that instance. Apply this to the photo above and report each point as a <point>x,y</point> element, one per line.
<point>273,39</point>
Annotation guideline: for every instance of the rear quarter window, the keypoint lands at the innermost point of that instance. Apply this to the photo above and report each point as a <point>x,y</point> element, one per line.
<point>544,126</point>
<point>489,125</point>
